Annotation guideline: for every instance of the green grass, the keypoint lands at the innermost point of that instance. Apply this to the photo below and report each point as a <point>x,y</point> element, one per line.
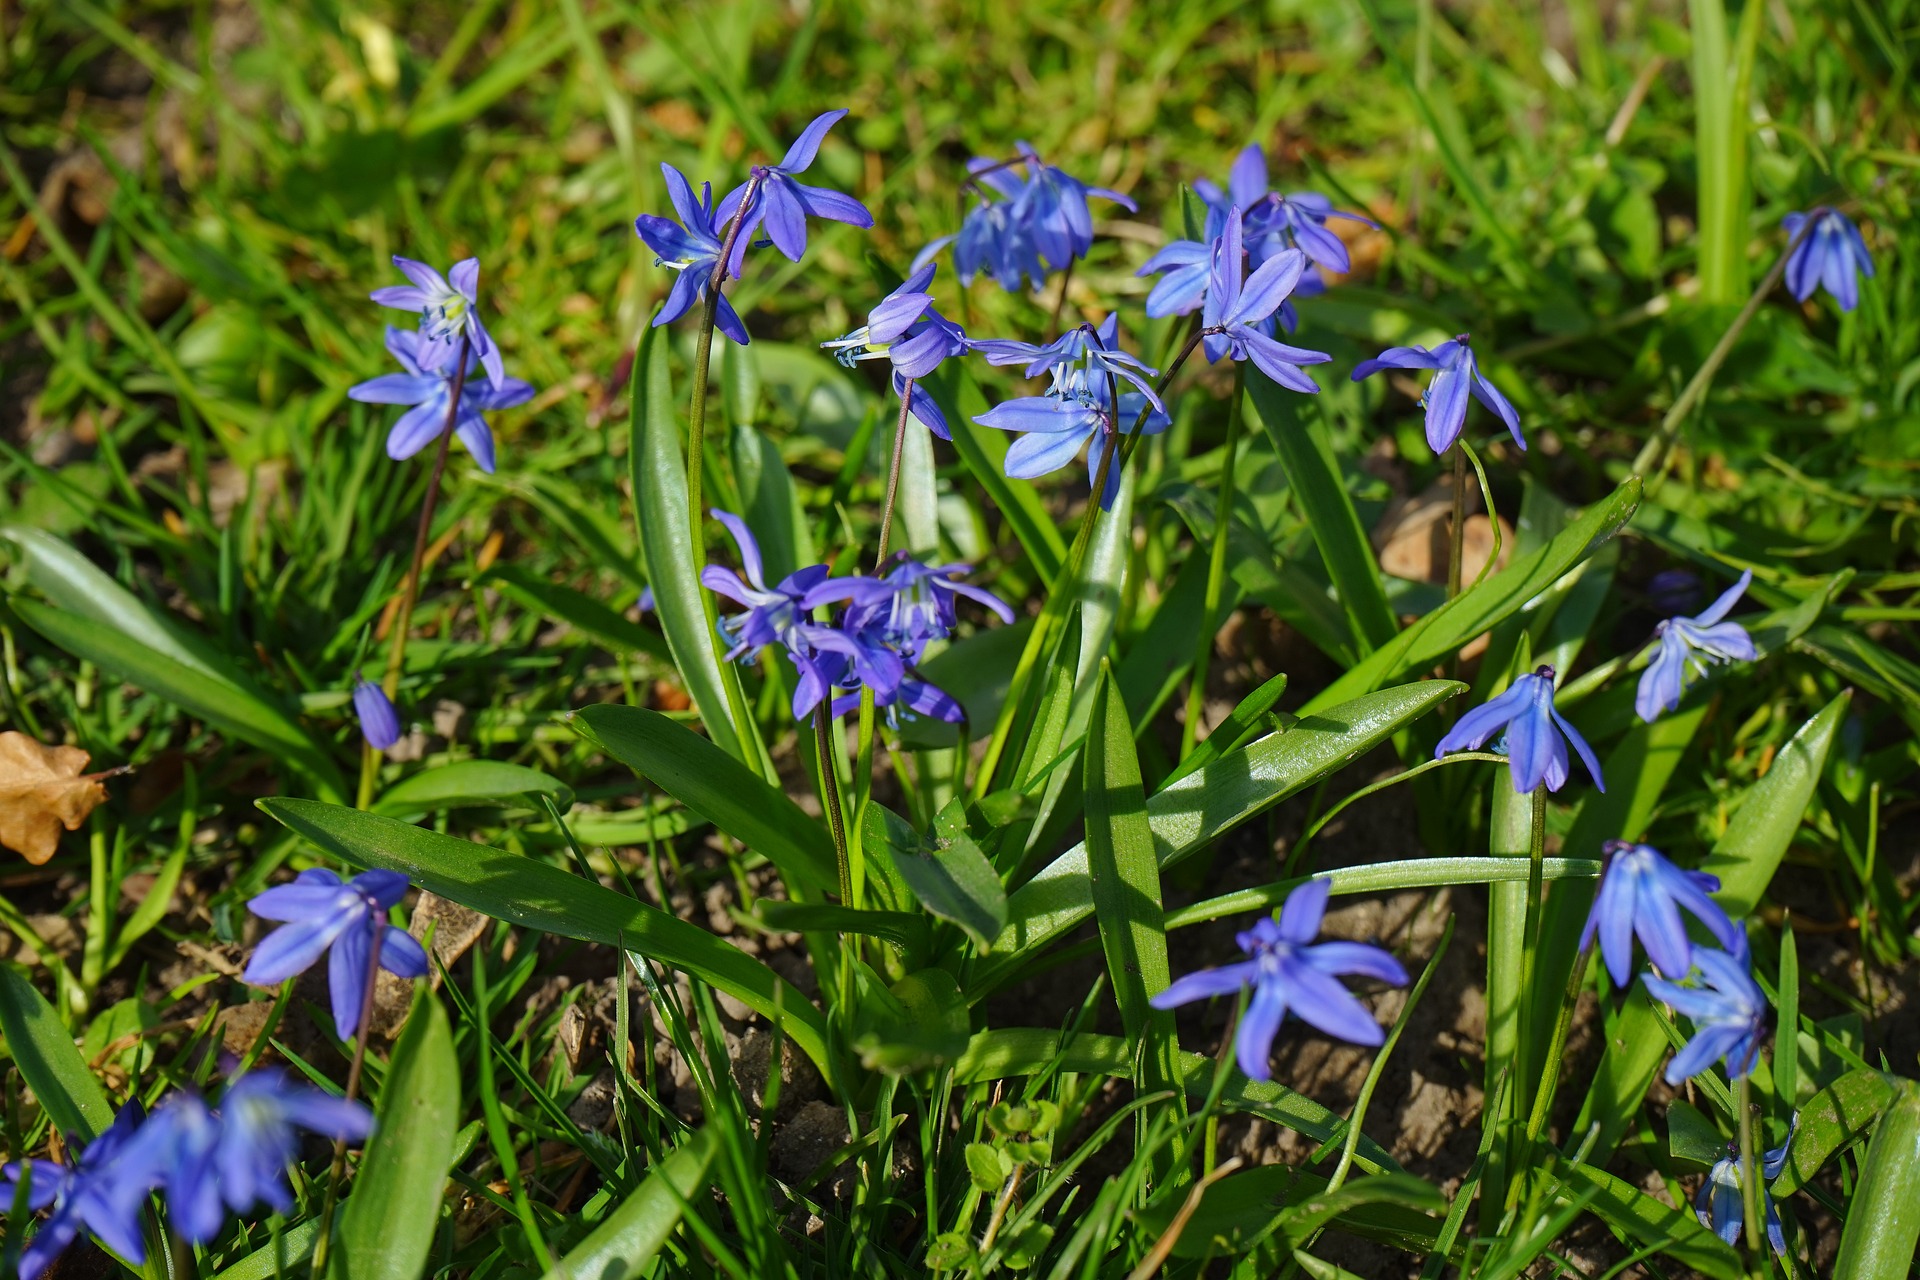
<point>219,533</point>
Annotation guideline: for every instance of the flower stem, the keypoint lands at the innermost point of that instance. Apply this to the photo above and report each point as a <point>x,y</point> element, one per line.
<point>823,717</point>
<point>893,473</point>
<point>410,589</point>
<point>1456,539</point>
<point>1749,1170</point>
<point>1530,936</point>
<point>1216,570</point>
<point>323,1244</point>
<point>1550,1069</point>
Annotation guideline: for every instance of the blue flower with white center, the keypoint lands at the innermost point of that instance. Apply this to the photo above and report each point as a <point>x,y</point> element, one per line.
<point>1288,973</point>
<point>104,1192</point>
<point>449,308</point>
<point>1054,426</point>
<point>1535,738</point>
<point>918,607</point>
<point>691,248</point>
<point>1456,375</point>
<point>1831,254</point>
<point>1728,1011</point>
<point>379,722</point>
<point>322,914</point>
<point>783,204</point>
<point>906,330</point>
<point>1721,1206</point>
<point>1239,311</point>
<point>1641,893</point>
<point>429,389</point>
<point>1081,350</point>
<point>1693,642</point>
<point>775,614</point>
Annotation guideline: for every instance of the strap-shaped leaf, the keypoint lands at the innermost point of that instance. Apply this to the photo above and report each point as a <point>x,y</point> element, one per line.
<point>577,609</point>
<point>1883,1219</point>
<point>525,891</point>
<point>1676,1234</point>
<point>631,1237</point>
<point>1839,1114</point>
<point>1749,852</point>
<point>469,783</point>
<point>1124,872</point>
<point>716,786</point>
<point>43,1050</point>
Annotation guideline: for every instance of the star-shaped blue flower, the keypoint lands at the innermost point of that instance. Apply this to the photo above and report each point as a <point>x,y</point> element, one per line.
<point>1288,973</point>
<point>428,389</point>
<point>1456,375</point>
<point>691,248</point>
<point>324,914</point>
<point>449,308</point>
<point>773,614</point>
<point>103,1192</point>
<point>907,331</point>
<point>1831,254</point>
<point>1536,734</point>
<point>1641,893</point>
<point>1728,1011</point>
<point>917,608</point>
<point>1696,641</point>
<point>1721,1206</point>
<point>783,204</point>
<point>1238,318</point>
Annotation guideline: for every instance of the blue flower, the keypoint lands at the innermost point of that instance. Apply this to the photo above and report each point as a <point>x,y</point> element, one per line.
<point>1238,316</point>
<point>1642,893</point>
<point>1446,399</point>
<point>1728,1013</point>
<point>1721,1206</point>
<point>324,913</point>
<point>104,1192</point>
<point>1188,265</point>
<point>774,614</point>
<point>1246,189</point>
<point>428,388</point>
<point>379,722</point>
<point>1287,973</point>
<point>449,307</point>
<point>1536,737</point>
<point>917,608</point>
<point>1052,210</point>
<point>1300,220</point>
<point>1674,590</point>
<point>906,330</point>
<point>1831,254</point>
<point>1694,641</point>
<point>783,204</point>
<point>1041,222</point>
<point>692,248</point>
<point>1081,350</point>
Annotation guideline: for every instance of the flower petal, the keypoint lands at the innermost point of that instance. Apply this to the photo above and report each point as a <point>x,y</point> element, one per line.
<point>805,147</point>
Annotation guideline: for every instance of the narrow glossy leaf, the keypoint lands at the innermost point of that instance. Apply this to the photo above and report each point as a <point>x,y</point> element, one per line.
<point>277,1258</point>
<point>984,451</point>
<point>631,1237</point>
<point>667,531</point>
<point>43,1050</point>
<point>1834,1118</point>
<point>770,506</point>
<point>536,895</point>
<point>467,784</point>
<point>1243,1209</point>
<point>578,610</point>
<point>1297,426</point>
<point>1123,873</point>
<point>903,929</point>
<point>1883,1218</point>
<point>1676,1234</point>
<point>950,877</point>
<point>917,507</point>
<point>926,1025</point>
<point>1635,1049</point>
<point>220,702</point>
<point>1747,855</point>
<point>387,1227</point>
<point>1691,1136</point>
<point>1158,659</point>
<point>716,786</point>
<point>1185,815</point>
<point>1422,645</point>
<point>1386,877</point>
<point>1049,728</point>
<point>1232,733</point>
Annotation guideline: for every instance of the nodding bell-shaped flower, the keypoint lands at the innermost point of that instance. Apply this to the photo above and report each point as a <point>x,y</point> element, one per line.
<point>1693,642</point>
<point>1534,735</point>
<point>1456,376</point>
<point>1728,1010</point>
<point>1831,254</point>
<point>1642,894</point>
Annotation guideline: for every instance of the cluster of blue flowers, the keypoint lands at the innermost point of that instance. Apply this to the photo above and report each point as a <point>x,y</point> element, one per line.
<point>880,633</point>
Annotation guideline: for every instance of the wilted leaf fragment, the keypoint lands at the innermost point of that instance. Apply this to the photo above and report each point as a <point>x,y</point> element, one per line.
<point>41,790</point>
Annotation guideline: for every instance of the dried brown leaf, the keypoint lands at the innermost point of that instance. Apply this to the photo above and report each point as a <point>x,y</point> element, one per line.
<point>42,789</point>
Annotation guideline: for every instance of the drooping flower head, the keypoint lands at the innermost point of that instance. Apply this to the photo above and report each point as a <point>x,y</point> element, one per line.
<point>1534,735</point>
<point>1289,973</point>
<point>1456,376</point>
<point>774,615</point>
<point>103,1192</point>
<point>1728,1010</point>
<point>429,389</point>
<point>691,248</point>
<point>907,331</point>
<point>449,308</point>
<point>783,204</point>
<point>1642,894</point>
<point>1238,317</point>
<point>1040,223</point>
<point>1721,1206</point>
<point>1693,642</point>
<point>1831,254</point>
<point>917,607</point>
<point>379,722</point>
<point>322,913</point>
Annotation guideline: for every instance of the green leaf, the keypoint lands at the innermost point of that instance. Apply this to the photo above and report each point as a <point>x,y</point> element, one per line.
<point>1883,1218</point>
<point>467,784</point>
<point>578,610</point>
<point>950,876</point>
<point>1635,1048</point>
<point>987,1167</point>
<point>659,473</point>
<point>716,786</point>
<point>903,929</point>
<point>1675,1234</point>
<point>976,672</point>
<point>43,1050</point>
<point>924,1025</point>
<point>1187,814</point>
<point>769,504</point>
<point>1747,855</point>
<point>277,1258</point>
<point>1243,1209</point>
<point>1691,1136</point>
<point>1233,732</point>
<point>1123,873</point>
<point>388,1224</point>
<point>984,451</point>
<point>1441,633</point>
<point>1836,1117</point>
<point>631,1237</point>
<point>535,895</point>
<point>1297,427</point>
